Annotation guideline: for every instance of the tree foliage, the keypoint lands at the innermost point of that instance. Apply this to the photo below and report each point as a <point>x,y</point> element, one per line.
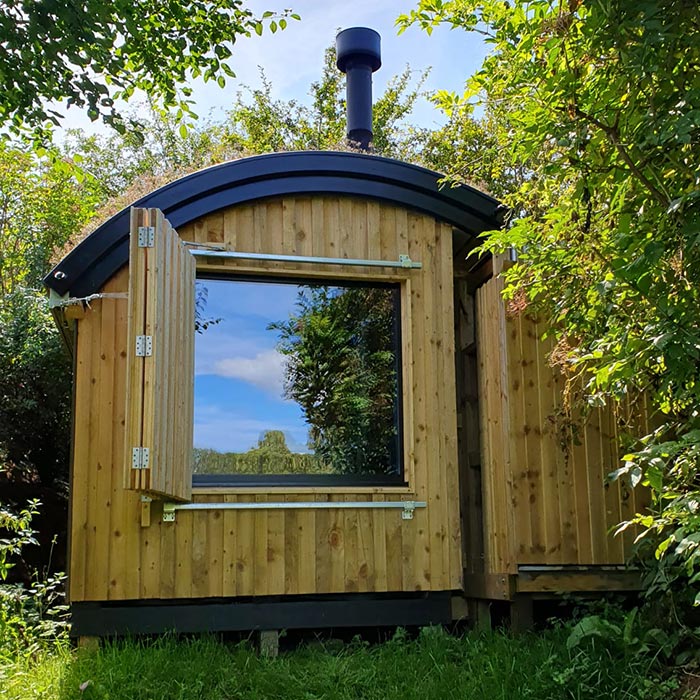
<point>598,102</point>
<point>90,54</point>
<point>341,369</point>
<point>261,124</point>
<point>270,456</point>
<point>42,204</point>
<point>257,123</point>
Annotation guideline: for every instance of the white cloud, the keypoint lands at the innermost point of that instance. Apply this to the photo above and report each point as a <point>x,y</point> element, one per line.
<point>265,370</point>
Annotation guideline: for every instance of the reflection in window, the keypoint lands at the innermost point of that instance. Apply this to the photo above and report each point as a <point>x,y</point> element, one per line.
<point>296,379</point>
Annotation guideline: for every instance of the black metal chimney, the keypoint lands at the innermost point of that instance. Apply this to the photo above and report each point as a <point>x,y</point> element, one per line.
<point>358,54</point>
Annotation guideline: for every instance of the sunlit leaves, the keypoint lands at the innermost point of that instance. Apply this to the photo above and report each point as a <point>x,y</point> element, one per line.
<point>596,104</point>
<point>91,53</point>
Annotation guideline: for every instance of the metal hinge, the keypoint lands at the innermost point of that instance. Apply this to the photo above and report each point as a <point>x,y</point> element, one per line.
<point>168,512</point>
<point>147,236</point>
<point>139,458</point>
<point>405,261</point>
<point>408,508</point>
<point>144,345</point>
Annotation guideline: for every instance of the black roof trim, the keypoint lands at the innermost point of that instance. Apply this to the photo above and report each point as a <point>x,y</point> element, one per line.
<point>93,261</point>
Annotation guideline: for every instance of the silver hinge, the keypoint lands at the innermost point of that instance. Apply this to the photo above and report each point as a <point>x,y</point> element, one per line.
<point>405,260</point>
<point>144,345</point>
<point>168,512</point>
<point>147,236</point>
<point>408,508</point>
<point>139,457</point>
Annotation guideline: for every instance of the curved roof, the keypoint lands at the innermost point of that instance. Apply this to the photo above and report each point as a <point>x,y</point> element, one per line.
<point>93,261</point>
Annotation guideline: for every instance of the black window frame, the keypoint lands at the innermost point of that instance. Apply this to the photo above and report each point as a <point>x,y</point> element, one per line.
<point>400,479</point>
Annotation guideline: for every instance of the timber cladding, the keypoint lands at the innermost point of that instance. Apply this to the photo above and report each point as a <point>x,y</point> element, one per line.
<point>546,497</point>
<point>228,553</point>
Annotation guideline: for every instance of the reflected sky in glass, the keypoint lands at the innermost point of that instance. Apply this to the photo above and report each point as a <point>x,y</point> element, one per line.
<point>239,375</point>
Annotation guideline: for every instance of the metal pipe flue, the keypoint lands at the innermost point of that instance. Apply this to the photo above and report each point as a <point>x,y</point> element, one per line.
<point>358,55</point>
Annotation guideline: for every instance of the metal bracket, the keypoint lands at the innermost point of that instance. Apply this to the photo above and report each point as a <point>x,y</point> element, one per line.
<point>55,299</point>
<point>144,345</point>
<point>407,507</point>
<point>147,236</point>
<point>404,261</point>
<point>140,457</point>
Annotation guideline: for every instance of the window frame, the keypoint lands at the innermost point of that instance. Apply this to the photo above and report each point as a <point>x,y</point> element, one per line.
<point>400,483</point>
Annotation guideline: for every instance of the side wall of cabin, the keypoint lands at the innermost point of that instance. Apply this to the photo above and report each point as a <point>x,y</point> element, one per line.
<point>542,487</point>
<point>118,552</point>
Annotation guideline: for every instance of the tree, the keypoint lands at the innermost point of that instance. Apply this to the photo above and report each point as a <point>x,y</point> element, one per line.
<point>598,102</point>
<point>342,370</point>
<point>42,204</point>
<point>258,123</point>
<point>92,53</point>
<point>124,167</point>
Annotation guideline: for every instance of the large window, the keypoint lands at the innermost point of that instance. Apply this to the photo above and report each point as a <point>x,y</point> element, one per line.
<point>297,382</point>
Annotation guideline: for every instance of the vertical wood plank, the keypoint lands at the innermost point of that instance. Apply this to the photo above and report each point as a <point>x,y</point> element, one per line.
<point>229,550</point>
<point>449,475</point>
<point>275,553</point>
<point>215,548</point>
<point>121,539</point>
<point>323,550</point>
<point>245,564</point>
<point>183,554</point>
<point>306,523</point>
<point>84,408</point>
<point>379,540</point>
<point>135,367</point>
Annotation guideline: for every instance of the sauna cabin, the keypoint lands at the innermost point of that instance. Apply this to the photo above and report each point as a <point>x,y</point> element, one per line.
<point>301,402</point>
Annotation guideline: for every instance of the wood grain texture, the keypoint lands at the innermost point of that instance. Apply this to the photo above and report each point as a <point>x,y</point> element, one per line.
<point>544,466</point>
<point>247,553</point>
<point>161,299</point>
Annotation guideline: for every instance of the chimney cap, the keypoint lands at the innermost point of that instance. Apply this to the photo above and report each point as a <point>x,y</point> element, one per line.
<point>358,43</point>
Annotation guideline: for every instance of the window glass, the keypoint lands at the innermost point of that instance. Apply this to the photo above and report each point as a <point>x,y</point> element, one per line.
<point>296,382</point>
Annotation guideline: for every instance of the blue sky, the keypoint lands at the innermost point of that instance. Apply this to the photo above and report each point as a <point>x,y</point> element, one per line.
<point>238,371</point>
<point>292,59</point>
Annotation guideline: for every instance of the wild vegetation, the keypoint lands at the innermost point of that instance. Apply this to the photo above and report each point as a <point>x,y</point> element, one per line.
<point>431,665</point>
<point>589,131</point>
<point>89,54</point>
<point>593,109</point>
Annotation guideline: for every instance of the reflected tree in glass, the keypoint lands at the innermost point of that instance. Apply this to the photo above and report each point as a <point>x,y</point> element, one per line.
<point>341,345</point>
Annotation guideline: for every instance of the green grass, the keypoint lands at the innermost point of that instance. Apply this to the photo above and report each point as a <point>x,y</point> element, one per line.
<point>491,666</point>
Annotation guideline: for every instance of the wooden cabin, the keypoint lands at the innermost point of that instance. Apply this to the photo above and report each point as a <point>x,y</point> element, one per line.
<point>493,493</point>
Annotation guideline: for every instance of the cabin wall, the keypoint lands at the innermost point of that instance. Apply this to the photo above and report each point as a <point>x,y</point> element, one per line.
<point>114,555</point>
<point>546,497</point>
<point>468,428</point>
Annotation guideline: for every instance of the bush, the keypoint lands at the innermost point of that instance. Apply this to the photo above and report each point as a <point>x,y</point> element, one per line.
<point>32,618</point>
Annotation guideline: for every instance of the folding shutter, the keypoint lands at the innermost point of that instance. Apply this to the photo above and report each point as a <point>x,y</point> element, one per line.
<point>160,362</point>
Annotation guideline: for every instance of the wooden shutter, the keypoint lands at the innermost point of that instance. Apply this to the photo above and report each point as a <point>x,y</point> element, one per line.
<point>160,374</point>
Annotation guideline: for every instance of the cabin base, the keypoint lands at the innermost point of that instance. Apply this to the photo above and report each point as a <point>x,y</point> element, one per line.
<point>548,581</point>
<point>106,618</point>
<point>518,592</point>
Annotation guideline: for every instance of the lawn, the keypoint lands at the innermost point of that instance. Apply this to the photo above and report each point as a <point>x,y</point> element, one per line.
<point>433,664</point>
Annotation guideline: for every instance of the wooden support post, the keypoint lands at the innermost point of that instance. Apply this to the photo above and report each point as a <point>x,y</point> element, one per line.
<point>480,612</point>
<point>460,608</point>
<point>521,614</point>
<point>91,644</point>
<point>269,643</point>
